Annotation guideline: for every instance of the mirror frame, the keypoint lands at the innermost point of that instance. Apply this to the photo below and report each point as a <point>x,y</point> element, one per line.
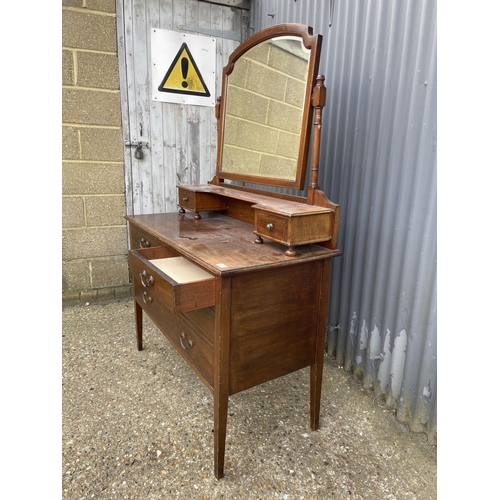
<point>311,42</point>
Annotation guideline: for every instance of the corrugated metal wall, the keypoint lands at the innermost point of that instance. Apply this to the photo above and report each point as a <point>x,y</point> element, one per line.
<point>378,160</point>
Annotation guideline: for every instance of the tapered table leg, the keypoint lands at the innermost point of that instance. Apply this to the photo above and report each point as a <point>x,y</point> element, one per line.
<point>317,368</point>
<point>220,426</point>
<point>316,381</point>
<point>221,371</point>
<point>138,324</point>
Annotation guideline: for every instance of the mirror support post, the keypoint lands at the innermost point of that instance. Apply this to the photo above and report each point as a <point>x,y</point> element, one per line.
<point>215,179</point>
<point>318,103</point>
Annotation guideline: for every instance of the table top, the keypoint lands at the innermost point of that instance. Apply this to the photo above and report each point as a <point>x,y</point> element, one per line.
<point>221,244</point>
<point>262,201</point>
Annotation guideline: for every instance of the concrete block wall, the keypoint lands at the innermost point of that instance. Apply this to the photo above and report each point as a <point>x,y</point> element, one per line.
<point>94,238</point>
<point>272,79</point>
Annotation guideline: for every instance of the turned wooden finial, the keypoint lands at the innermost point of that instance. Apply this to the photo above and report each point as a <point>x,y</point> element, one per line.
<point>318,102</point>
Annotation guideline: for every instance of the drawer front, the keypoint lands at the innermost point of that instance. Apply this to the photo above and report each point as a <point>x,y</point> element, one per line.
<point>156,296</point>
<point>154,286</point>
<point>192,347</point>
<point>142,239</point>
<point>201,202</point>
<point>150,289</point>
<point>190,344</point>
<point>271,226</point>
<point>203,322</point>
<point>186,199</point>
<point>298,230</point>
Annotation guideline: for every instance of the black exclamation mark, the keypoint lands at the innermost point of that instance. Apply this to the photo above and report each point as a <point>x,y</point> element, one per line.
<point>184,68</point>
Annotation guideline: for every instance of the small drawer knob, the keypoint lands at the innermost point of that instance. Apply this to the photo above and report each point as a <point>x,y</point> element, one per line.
<point>184,344</point>
<point>146,298</point>
<point>269,227</point>
<point>185,198</point>
<point>148,281</point>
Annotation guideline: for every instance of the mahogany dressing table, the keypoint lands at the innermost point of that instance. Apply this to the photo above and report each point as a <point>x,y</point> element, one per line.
<point>238,280</point>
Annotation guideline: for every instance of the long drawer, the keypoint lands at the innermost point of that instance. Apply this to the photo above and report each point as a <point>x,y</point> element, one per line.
<point>142,239</point>
<point>164,298</point>
<point>162,276</point>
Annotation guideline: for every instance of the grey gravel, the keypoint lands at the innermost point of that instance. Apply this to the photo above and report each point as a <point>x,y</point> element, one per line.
<point>138,425</point>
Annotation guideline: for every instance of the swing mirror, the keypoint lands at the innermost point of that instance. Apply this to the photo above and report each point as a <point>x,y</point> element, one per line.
<point>265,107</point>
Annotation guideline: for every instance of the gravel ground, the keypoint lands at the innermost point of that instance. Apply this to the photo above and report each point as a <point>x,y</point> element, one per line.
<point>138,425</point>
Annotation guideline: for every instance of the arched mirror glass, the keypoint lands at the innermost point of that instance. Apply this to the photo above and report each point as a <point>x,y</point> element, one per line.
<point>265,108</point>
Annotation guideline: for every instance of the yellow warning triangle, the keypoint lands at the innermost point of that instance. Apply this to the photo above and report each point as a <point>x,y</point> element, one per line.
<point>183,76</point>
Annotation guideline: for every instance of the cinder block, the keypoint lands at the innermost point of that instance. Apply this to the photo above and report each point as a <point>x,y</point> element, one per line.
<point>288,63</point>
<point>97,70</point>
<point>122,292</point>
<point>92,178</point>
<point>70,143</point>
<point>76,275</point>
<point>105,210</point>
<point>266,81</point>
<point>89,40</point>
<point>257,137</point>
<point>72,3</point>
<point>284,117</point>
<point>82,30</point>
<point>105,293</point>
<point>91,107</point>
<point>282,168</point>
<point>240,160</point>
<point>88,295</point>
<point>67,68</point>
<point>70,297</point>
<point>94,242</point>
<point>288,145</point>
<point>238,76</point>
<point>295,92</point>
<point>259,53</point>
<point>231,130</point>
<point>247,105</point>
<point>110,272</point>
<point>101,144</point>
<point>102,5</point>
<point>72,212</point>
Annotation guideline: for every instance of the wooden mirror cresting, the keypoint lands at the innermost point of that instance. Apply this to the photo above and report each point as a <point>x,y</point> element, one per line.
<point>238,280</point>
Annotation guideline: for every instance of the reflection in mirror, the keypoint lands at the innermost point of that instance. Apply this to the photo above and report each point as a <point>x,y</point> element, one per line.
<point>264,107</point>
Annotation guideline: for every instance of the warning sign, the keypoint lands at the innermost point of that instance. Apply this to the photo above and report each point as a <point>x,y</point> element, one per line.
<point>183,76</point>
<point>183,68</point>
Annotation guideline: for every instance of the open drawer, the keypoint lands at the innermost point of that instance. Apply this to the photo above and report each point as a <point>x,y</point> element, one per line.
<point>163,278</point>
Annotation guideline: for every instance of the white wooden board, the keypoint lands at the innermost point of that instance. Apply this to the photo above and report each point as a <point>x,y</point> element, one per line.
<point>180,269</point>
<point>180,138</point>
